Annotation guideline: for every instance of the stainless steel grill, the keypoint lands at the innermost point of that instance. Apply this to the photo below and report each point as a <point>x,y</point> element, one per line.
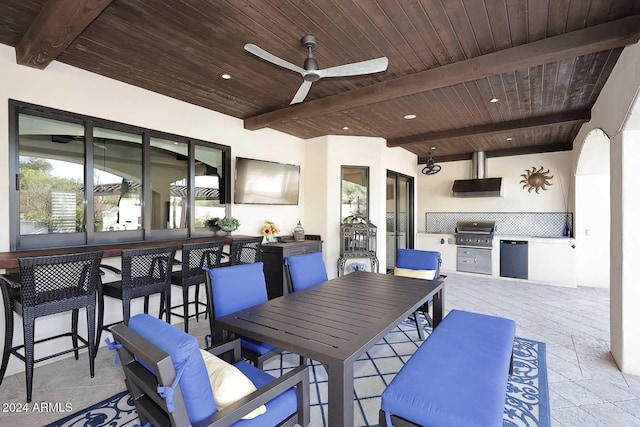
<point>475,242</point>
<point>478,234</point>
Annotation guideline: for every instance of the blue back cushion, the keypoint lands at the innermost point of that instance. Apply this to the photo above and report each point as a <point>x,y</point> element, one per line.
<point>237,287</point>
<point>419,260</point>
<point>306,270</point>
<point>184,351</point>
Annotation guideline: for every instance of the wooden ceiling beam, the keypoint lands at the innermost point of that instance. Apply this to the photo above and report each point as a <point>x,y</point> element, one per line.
<point>580,116</point>
<point>589,40</point>
<point>505,152</point>
<point>56,26</point>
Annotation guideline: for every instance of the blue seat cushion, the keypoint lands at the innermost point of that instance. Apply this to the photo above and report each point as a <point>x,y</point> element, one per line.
<point>419,260</point>
<point>458,376</point>
<point>184,351</point>
<point>237,287</point>
<point>306,270</point>
<point>278,408</point>
<point>257,347</point>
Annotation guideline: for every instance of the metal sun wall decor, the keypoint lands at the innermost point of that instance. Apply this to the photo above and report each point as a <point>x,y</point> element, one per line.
<point>536,179</point>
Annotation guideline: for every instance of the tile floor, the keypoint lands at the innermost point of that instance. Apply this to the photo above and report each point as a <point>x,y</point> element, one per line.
<point>586,387</point>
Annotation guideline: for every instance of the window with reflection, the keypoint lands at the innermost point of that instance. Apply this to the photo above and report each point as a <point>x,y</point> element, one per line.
<point>117,180</point>
<point>355,192</point>
<point>209,191</point>
<point>51,176</point>
<point>169,172</point>
<point>79,180</point>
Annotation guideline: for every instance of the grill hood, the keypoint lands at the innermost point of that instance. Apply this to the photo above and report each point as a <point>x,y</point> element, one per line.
<point>478,186</point>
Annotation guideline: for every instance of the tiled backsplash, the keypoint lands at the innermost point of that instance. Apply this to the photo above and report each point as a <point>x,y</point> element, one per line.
<point>540,224</point>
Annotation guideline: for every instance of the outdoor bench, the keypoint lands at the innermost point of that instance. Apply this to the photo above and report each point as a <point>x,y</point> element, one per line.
<point>457,377</point>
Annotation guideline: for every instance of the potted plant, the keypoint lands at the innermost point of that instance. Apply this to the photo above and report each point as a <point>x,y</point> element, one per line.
<point>228,224</point>
<point>212,223</point>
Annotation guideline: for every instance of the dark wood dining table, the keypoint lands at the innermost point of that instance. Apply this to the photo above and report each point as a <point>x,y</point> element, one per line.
<point>335,323</point>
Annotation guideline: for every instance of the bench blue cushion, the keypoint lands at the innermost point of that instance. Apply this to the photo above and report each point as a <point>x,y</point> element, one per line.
<point>184,351</point>
<point>458,376</point>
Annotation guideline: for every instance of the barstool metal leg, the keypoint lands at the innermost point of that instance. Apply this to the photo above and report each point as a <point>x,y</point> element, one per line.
<point>91,337</point>
<point>8,328</point>
<point>74,332</point>
<point>185,307</point>
<point>29,332</point>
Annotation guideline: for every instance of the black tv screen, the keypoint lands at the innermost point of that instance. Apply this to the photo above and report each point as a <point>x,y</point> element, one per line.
<point>266,183</point>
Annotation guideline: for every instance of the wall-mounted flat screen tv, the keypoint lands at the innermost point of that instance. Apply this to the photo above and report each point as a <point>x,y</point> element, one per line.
<point>266,183</point>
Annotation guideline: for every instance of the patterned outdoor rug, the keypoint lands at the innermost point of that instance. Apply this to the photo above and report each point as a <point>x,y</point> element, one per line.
<point>527,401</point>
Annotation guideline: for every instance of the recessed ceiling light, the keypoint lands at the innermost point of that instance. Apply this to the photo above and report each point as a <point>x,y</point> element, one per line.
<point>410,116</point>
<point>225,76</point>
<point>509,139</point>
<point>345,128</point>
<point>494,100</point>
<point>433,148</point>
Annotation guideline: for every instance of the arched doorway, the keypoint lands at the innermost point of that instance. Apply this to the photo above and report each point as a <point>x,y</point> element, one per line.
<point>592,211</point>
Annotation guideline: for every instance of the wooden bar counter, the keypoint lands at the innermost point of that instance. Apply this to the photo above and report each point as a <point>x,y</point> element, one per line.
<point>9,260</point>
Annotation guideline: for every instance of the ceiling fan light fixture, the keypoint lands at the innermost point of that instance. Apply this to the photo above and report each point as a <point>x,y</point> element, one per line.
<point>312,72</point>
<point>431,168</point>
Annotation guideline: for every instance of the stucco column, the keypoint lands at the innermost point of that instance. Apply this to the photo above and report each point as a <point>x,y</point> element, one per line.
<point>625,251</point>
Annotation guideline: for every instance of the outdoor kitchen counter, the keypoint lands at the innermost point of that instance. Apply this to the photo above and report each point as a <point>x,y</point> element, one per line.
<point>552,260</point>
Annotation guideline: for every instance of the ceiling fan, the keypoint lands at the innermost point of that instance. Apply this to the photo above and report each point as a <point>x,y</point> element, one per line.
<point>431,168</point>
<point>311,72</point>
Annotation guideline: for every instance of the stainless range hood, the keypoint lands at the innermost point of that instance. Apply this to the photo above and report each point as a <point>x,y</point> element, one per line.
<point>478,186</point>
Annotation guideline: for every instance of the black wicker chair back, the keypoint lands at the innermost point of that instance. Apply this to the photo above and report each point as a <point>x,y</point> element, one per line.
<point>145,271</point>
<point>245,250</point>
<point>195,256</point>
<point>50,285</point>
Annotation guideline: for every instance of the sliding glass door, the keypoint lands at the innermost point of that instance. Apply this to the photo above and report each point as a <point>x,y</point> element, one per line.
<point>399,215</point>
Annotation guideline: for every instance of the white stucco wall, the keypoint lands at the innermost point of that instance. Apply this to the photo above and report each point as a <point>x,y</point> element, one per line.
<point>328,154</point>
<point>615,113</point>
<point>592,228</point>
<point>435,190</point>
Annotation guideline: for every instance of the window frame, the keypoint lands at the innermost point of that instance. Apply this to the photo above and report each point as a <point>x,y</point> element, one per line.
<point>89,236</point>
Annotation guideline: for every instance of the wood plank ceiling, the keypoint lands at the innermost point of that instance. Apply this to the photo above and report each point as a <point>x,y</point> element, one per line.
<point>546,61</point>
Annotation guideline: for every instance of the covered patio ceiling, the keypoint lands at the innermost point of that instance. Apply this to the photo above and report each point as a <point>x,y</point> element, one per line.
<point>545,61</point>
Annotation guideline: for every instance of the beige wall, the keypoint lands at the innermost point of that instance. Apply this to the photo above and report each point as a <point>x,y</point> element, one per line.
<point>327,155</point>
<point>617,113</point>
<point>435,190</point>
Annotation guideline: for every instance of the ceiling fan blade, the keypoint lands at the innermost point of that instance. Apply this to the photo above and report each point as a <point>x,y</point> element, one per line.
<point>302,92</point>
<point>261,53</point>
<point>356,68</point>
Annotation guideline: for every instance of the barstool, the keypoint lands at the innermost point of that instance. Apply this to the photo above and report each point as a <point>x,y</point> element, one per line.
<point>145,272</point>
<point>195,257</point>
<point>49,285</point>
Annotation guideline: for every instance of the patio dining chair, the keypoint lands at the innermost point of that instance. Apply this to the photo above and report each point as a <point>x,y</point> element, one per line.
<point>235,288</point>
<point>50,285</point>
<point>423,265</point>
<point>174,383</point>
<point>304,271</point>
<point>145,271</point>
<point>195,257</point>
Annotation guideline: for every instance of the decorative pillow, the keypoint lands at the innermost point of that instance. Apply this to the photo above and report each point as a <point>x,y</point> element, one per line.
<point>418,274</point>
<point>229,384</point>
